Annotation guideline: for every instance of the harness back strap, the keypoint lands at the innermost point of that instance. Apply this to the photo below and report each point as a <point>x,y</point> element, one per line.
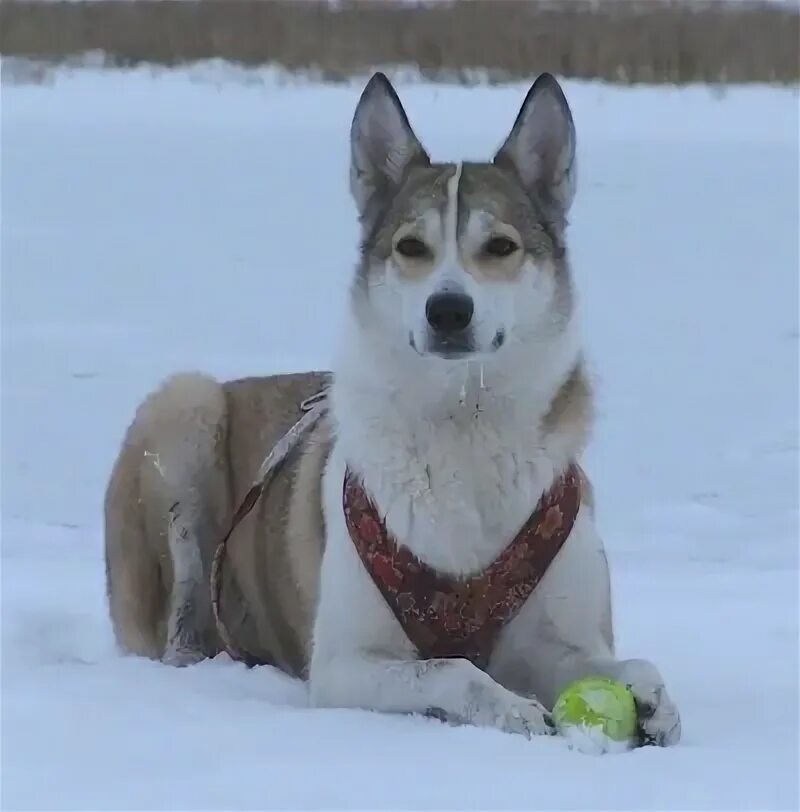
<point>313,409</point>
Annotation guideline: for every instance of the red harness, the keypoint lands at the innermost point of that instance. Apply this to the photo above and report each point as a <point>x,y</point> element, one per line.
<point>444,616</point>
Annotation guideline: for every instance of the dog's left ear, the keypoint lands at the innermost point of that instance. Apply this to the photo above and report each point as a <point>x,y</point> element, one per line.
<point>540,149</point>
<point>382,144</point>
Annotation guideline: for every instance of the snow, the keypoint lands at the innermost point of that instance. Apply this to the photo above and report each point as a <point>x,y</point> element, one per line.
<point>160,221</point>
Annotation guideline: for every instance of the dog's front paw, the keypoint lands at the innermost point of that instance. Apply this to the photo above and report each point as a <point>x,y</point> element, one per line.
<point>511,713</point>
<point>658,717</point>
<point>659,722</point>
<point>528,717</point>
<point>489,705</point>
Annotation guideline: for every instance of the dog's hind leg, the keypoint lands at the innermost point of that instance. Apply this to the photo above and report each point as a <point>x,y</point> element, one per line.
<point>187,491</point>
<point>189,604</point>
<point>166,505</point>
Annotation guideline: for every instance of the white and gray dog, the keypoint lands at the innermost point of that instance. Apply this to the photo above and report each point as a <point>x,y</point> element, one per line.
<point>458,398</point>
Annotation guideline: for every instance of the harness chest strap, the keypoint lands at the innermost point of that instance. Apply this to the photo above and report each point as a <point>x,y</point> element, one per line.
<point>445,616</point>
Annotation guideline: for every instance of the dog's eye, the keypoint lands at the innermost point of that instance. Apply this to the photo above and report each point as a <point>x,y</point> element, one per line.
<point>500,247</point>
<point>412,248</point>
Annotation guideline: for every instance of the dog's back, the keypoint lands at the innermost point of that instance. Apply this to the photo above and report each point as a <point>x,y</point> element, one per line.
<point>190,454</point>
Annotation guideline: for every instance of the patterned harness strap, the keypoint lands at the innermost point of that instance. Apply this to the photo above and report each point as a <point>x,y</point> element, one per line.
<point>444,616</point>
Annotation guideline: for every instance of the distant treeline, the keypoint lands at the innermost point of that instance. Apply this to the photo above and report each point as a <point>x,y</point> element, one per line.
<point>627,41</point>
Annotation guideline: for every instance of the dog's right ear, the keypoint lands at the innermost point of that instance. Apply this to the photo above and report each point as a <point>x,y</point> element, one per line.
<point>382,144</point>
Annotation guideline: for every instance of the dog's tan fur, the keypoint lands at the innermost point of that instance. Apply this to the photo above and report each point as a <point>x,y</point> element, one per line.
<point>199,444</point>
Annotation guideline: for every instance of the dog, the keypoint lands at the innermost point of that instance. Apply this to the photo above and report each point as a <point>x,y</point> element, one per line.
<point>459,398</point>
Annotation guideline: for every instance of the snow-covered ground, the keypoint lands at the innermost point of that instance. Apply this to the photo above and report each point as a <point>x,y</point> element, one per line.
<point>156,222</point>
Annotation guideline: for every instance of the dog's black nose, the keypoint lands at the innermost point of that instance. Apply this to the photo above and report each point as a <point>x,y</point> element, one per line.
<point>449,312</point>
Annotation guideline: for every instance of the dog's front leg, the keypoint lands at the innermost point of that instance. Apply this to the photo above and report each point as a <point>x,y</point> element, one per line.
<point>362,658</point>
<point>451,689</point>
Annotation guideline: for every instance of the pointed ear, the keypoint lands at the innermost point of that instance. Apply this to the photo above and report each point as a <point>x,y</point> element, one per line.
<point>382,144</point>
<point>541,146</point>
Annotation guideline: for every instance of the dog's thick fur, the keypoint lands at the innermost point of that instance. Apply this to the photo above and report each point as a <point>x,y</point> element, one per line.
<point>458,395</point>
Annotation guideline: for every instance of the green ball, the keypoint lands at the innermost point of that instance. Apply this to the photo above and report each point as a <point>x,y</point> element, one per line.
<point>597,707</point>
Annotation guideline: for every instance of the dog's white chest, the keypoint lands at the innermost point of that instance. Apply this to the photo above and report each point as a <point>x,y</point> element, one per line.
<point>455,493</point>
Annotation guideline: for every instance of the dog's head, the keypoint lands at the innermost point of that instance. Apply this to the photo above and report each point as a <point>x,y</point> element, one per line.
<point>459,260</point>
